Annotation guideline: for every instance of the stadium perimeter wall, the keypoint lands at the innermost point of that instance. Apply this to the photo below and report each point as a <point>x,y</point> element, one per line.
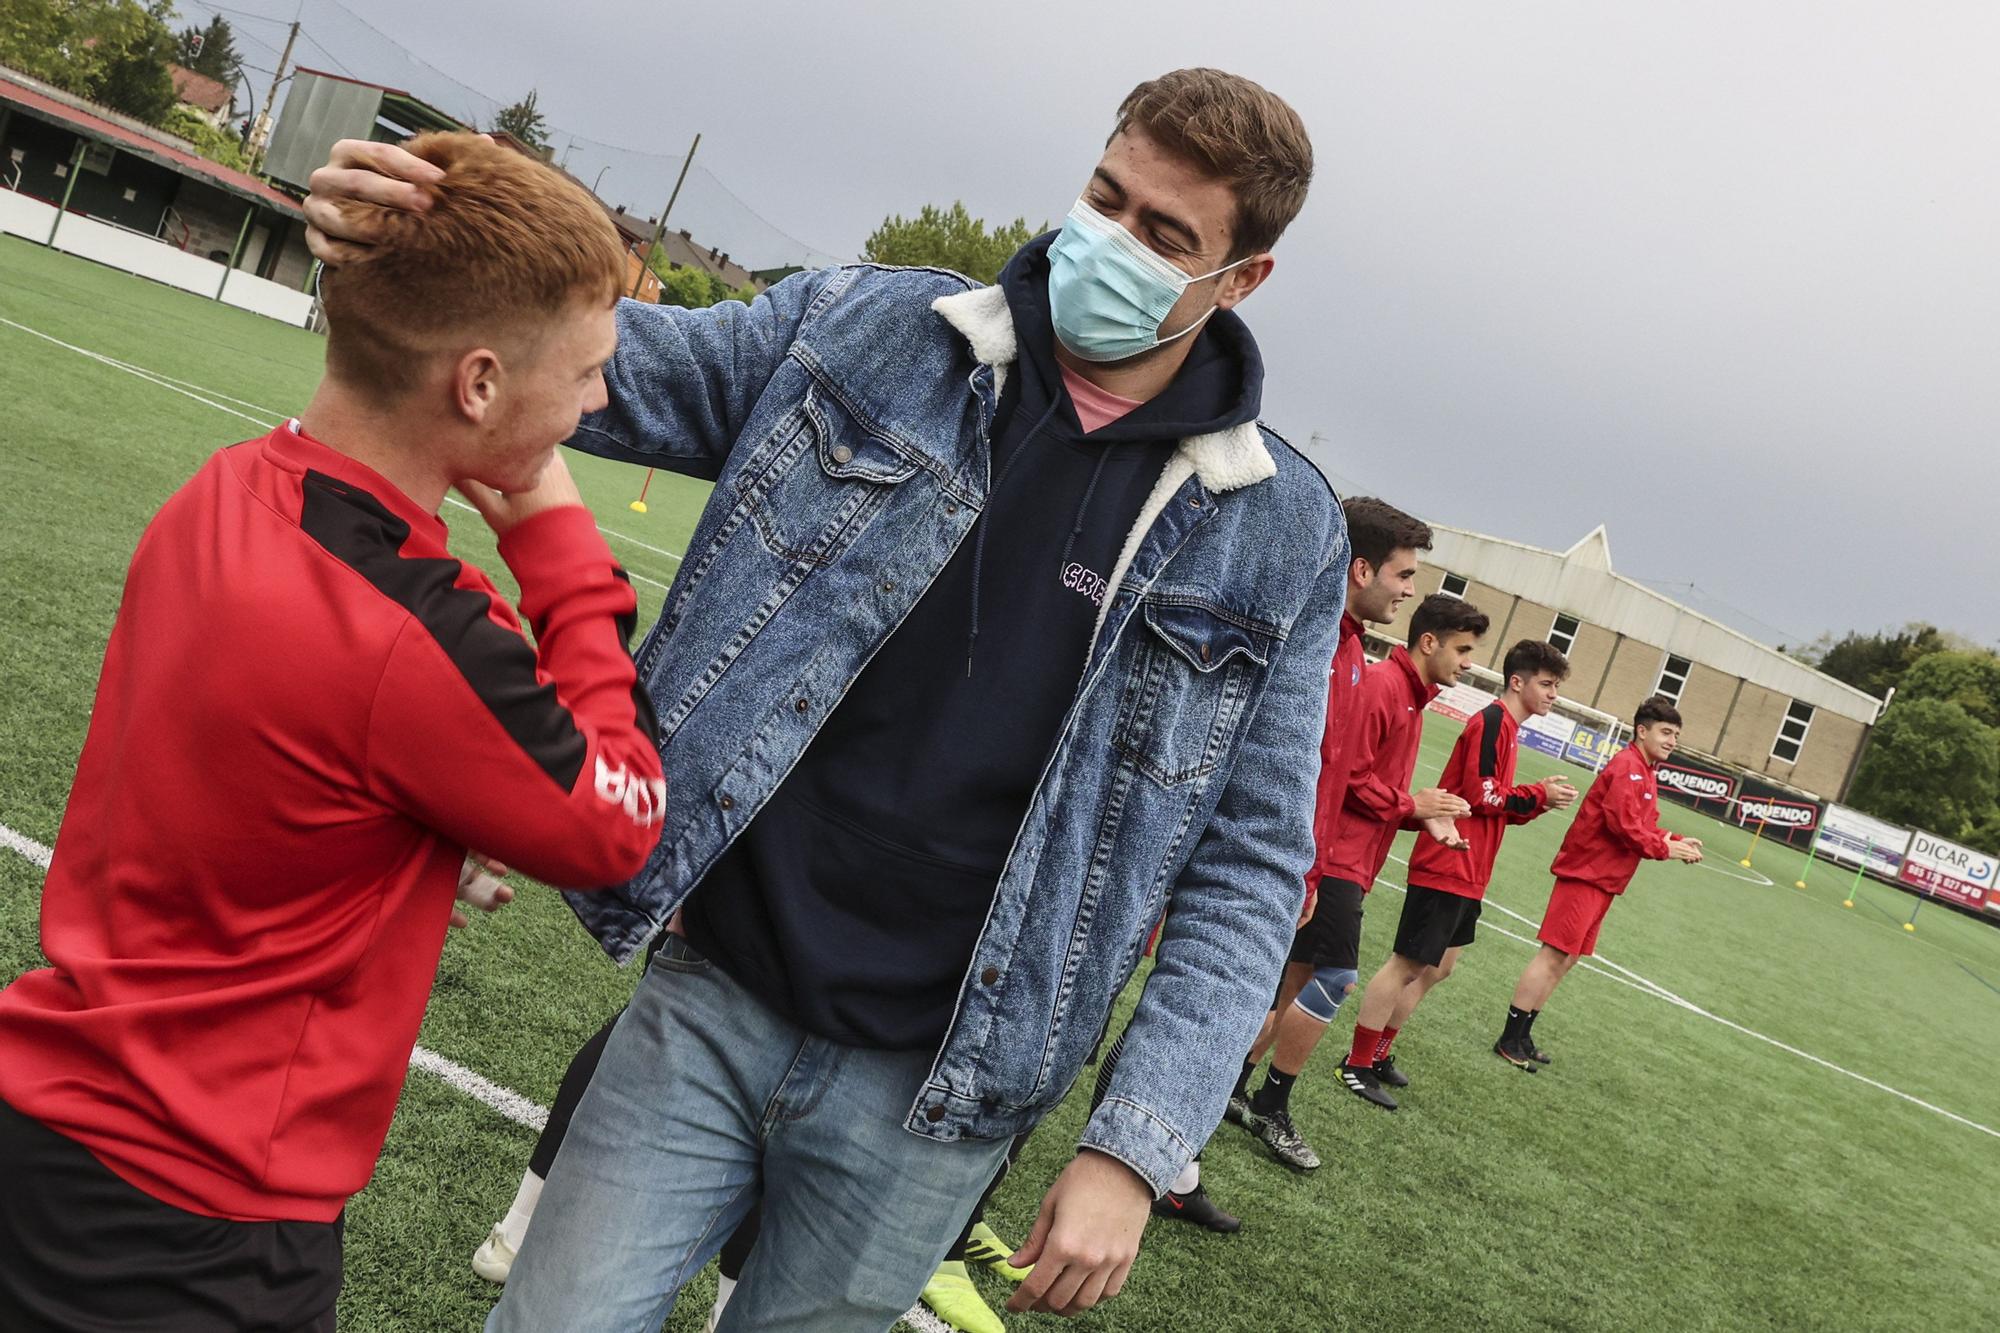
<point>1913,860</point>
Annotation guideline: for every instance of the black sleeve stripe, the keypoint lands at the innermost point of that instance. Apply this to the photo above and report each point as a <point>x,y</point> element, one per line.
<point>642,702</point>
<point>354,527</point>
<point>1489,740</point>
<point>1520,805</point>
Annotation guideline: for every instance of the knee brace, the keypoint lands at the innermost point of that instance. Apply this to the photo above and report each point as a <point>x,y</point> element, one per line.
<point>1322,995</point>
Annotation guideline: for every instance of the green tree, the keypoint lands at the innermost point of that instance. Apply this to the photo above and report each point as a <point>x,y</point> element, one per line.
<point>948,238</point>
<point>218,57</point>
<point>697,289</point>
<point>525,122</point>
<point>1933,765</point>
<point>1969,679</point>
<point>1876,662</point>
<point>1985,835</point>
<point>114,52</point>
<point>215,145</point>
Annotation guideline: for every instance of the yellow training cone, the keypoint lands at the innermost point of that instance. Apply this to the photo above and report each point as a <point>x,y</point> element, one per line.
<point>637,506</point>
<point>1910,926</point>
<point>1848,903</point>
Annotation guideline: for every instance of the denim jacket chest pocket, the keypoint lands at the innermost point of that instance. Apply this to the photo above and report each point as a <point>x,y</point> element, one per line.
<point>1195,668</point>
<point>817,480</point>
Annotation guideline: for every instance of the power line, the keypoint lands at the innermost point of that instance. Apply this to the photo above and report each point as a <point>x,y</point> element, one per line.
<point>479,107</point>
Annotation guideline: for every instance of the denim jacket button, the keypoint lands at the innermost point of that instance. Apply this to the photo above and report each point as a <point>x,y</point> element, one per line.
<point>989,976</point>
<point>727,803</point>
<point>842,454</point>
<point>802,705</point>
<point>935,1114</point>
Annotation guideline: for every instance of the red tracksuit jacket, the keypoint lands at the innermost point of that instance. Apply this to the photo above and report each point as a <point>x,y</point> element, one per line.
<point>1343,699</point>
<point>1481,769</point>
<point>1617,825</point>
<point>308,712</point>
<point>1388,727</point>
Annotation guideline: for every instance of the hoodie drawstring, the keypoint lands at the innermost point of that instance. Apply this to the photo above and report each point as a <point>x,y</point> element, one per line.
<point>979,539</point>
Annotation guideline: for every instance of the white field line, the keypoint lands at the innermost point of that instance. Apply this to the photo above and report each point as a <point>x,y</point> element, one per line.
<point>27,847</point>
<point>207,398</point>
<point>1641,984</point>
<point>507,1102</point>
<point>481,1089</point>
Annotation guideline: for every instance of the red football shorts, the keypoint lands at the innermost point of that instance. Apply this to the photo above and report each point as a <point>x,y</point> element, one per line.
<point>1576,911</point>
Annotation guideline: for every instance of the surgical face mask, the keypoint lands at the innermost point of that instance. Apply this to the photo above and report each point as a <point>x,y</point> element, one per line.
<point>1108,292</point>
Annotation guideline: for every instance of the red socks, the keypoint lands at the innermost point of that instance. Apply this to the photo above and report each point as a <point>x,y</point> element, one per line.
<point>1362,1054</point>
<point>1388,1040</point>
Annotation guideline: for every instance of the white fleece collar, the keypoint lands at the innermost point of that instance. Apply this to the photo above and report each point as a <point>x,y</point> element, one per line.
<point>1225,460</point>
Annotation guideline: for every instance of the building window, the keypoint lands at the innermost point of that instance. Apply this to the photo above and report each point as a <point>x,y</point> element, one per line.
<point>1453,586</point>
<point>1792,733</point>
<point>1563,633</point>
<point>1673,678</point>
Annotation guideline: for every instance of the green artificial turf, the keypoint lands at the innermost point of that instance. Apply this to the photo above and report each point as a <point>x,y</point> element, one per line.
<point>1668,1171</point>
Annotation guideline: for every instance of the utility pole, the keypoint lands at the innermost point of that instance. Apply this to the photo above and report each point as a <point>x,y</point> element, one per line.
<point>660,227</point>
<point>261,133</point>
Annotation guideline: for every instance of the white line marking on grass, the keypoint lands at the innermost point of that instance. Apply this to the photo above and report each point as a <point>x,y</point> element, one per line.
<point>1762,880</point>
<point>145,375</point>
<point>173,385</point>
<point>1658,992</point>
<point>27,847</point>
<point>481,1089</point>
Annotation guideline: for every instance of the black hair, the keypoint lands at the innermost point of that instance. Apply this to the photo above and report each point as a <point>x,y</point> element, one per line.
<point>1375,528</point>
<point>1532,657</point>
<point>1656,709</point>
<point>1442,614</point>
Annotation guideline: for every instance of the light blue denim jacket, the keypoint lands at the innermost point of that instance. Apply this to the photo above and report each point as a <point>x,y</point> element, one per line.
<point>844,418</point>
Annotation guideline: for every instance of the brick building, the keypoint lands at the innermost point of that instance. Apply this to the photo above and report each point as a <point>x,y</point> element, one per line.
<point>1743,702</point>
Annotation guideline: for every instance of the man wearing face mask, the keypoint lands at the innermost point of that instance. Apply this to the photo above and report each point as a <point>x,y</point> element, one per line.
<point>1005,628</point>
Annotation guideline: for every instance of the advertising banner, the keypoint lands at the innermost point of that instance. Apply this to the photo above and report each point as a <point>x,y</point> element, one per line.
<point>1692,781</point>
<point>1591,748</point>
<point>1785,816</point>
<point>1850,838</point>
<point>1548,735</point>
<point>1459,702</point>
<point>1947,870</point>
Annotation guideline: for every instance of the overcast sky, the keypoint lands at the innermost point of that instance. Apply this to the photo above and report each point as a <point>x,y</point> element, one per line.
<point>1724,277</point>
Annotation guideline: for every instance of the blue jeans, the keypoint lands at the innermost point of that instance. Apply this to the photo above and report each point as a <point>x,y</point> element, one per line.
<point>704,1101</point>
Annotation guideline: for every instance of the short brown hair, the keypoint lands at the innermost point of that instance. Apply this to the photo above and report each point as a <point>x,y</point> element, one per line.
<point>506,243</point>
<point>1531,657</point>
<point>1442,614</point>
<point>1657,709</point>
<point>1240,133</point>
<point>1375,528</point>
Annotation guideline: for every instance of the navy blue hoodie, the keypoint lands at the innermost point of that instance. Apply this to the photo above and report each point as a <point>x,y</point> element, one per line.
<point>852,902</point>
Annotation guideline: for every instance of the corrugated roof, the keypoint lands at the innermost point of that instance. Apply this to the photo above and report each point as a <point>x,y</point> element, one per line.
<point>101,123</point>
<point>198,90</point>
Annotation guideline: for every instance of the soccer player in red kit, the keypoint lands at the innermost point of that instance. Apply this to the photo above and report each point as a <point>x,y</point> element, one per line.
<point>1447,884</point>
<point>1386,544</point>
<point>309,711</point>
<point>1617,826</point>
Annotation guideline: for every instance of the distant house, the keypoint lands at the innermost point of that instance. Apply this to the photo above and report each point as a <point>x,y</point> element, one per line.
<point>210,97</point>
<point>682,251</point>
